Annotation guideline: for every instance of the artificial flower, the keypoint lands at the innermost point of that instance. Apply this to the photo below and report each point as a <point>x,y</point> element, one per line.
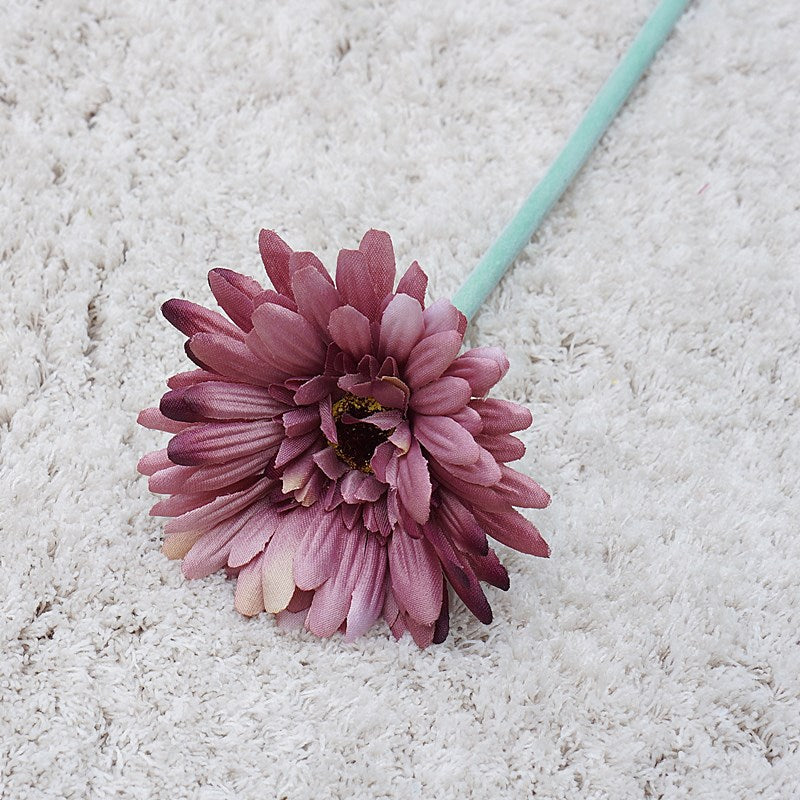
<point>333,451</point>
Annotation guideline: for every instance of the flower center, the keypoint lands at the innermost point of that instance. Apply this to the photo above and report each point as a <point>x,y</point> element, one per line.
<point>357,440</point>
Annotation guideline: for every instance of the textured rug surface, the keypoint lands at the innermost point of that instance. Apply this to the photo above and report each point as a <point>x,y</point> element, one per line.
<point>652,327</point>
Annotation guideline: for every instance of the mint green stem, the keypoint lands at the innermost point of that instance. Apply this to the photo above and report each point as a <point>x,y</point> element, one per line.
<point>517,234</point>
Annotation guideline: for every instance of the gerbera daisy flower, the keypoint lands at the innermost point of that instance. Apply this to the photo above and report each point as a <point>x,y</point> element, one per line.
<point>333,451</point>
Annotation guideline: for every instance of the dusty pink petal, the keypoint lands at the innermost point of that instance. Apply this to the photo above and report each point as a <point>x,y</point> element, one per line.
<point>391,609</point>
<point>217,442</point>
<point>220,476</point>
<point>354,284</point>
<point>332,600</point>
<point>153,462</point>
<point>248,598</point>
<point>377,247</point>
<point>300,421</point>
<point>502,416</point>
<point>520,490</point>
<point>469,419</point>
<point>484,472</point>
<point>317,556</point>
<point>460,524</point>
<point>291,620</point>
<point>327,423</point>
<point>207,516</point>
<point>489,569</point>
<point>191,377</point>
<point>292,448</point>
<point>210,552</point>
<point>275,255</point>
<point>421,634</point>
<point>303,260</point>
<point>276,298</point>
<point>460,575</point>
<point>153,418</point>
<point>190,318</point>
<point>416,576</point>
<point>253,536</point>
<point>504,447</point>
<point>443,316</point>
<point>316,297</point>
<point>179,504</point>
<point>350,329</point>
<point>292,342</point>
<point>483,367</point>
<point>380,460</point>
<point>170,480</point>
<point>414,483</point>
<point>401,328</point>
<point>329,463</point>
<point>385,391</point>
<point>385,420</point>
<point>414,282</point>
<point>442,397</point>
<point>314,390</point>
<point>368,594</point>
<point>234,293</point>
<point>229,358</point>
<point>446,440</point>
<point>513,530</point>
<point>230,401</point>
<point>300,601</point>
<point>430,358</point>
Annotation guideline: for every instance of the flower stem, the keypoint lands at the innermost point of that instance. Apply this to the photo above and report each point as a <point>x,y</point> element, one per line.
<point>517,234</point>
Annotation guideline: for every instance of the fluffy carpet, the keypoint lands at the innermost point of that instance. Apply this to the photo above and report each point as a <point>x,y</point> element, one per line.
<point>652,327</point>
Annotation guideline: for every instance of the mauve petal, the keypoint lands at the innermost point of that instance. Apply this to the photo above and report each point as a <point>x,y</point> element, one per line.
<point>446,440</point>
<point>169,480</point>
<point>316,297</point>
<point>183,379</point>
<point>210,552</point>
<point>443,397</point>
<point>350,329</point>
<point>483,367</point>
<point>401,328</point>
<point>520,490</point>
<point>248,598</point>
<point>421,634</point>
<point>380,460</point>
<point>513,530</point>
<point>443,316</point>
<point>332,600</point>
<point>275,255</point>
<point>234,293</point>
<point>354,284</point>
<point>312,391</point>
<point>414,483</point>
<point>329,463</point>
<point>276,298</point>
<point>300,421</point>
<point>442,626</point>
<point>253,536</point>
<point>327,424</point>
<point>502,416</point>
<point>219,476</point>
<point>292,448</point>
<point>153,419</point>
<point>387,393</point>
<point>207,516</point>
<point>503,447</point>
<point>190,318</point>
<point>153,462</point>
<point>217,442</point>
<point>303,260</point>
<point>228,401</point>
<point>319,551</point>
<point>300,601</point>
<point>292,342</point>
<point>469,419</point>
<point>368,593</point>
<point>414,282</point>
<point>460,524</point>
<point>460,574</point>
<point>430,358</point>
<point>291,620</point>
<point>484,472</point>
<point>489,569</point>
<point>416,577</point>
<point>377,247</point>
<point>489,497</point>
<point>229,358</point>
<point>181,504</point>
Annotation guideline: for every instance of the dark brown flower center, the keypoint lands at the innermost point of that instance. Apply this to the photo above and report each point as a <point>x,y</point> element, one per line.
<point>357,440</point>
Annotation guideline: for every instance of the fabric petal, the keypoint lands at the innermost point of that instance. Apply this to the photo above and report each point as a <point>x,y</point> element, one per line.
<point>377,247</point>
<point>291,342</point>
<point>430,357</point>
<point>442,397</point>
<point>190,318</point>
<point>275,255</point>
<point>234,293</point>
<point>316,297</point>
<point>248,598</point>
<point>416,576</point>
<point>354,284</point>
<point>446,440</point>
<point>401,328</point>
<point>414,282</point>
<point>350,329</point>
<point>414,483</point>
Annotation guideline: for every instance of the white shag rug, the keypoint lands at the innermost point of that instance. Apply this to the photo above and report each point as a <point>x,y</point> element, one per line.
<point>652,327</point>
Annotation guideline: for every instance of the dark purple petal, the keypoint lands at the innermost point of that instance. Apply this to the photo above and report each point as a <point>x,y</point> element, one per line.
<point>442,626</point>
<point>489,569</point>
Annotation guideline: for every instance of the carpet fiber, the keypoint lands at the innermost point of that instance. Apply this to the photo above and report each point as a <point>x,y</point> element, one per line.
<point>652,327</point>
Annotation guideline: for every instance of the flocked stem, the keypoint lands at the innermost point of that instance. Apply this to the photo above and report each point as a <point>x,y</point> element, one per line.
<point>517,234</point>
